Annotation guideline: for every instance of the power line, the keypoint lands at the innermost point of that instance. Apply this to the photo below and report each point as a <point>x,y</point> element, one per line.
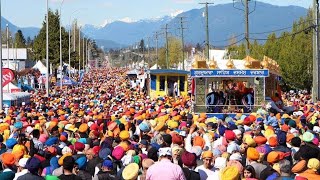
<point>225,46</point>
<point>225,40</point>
<point>207,27</point>
<point>281,29</point>
<point>286,35</point>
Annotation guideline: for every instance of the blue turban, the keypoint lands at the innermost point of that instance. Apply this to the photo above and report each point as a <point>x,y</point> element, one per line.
<point>11,142</point>
<point>51,141</point>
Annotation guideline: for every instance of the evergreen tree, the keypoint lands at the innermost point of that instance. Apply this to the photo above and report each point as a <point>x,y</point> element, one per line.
<point>292,51</point>
<point>20,41</point>
<point>39,46</point>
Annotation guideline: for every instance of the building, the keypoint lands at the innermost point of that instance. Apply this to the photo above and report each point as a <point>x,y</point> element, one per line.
<point>14,58</point>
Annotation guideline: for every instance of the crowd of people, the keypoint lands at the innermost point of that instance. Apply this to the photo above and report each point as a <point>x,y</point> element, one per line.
<point>104,129</point>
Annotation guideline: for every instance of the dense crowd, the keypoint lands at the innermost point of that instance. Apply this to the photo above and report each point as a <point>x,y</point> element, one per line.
<point>104,129</point>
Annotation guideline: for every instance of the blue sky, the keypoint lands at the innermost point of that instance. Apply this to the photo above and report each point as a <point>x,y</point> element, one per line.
<point>31,13</point>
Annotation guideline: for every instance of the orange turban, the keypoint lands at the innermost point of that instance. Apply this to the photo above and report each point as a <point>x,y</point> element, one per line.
<point>252,154</point>
<point>260,140</point>
<point>8,159</point>
<point>274,157</point>
<point>83,128</point>
<point>273,142</point>
<point>207,154</point>
<point>198,141</point>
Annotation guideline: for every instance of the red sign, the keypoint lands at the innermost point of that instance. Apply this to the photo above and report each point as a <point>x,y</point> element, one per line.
<point>7,76</point>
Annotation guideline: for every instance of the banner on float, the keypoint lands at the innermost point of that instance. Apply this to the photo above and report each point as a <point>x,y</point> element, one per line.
<point>229,73</point>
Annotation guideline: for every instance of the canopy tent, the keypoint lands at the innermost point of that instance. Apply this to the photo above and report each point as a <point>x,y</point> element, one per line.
<point>133,72</point>
<point>66,81</point>
<point>11,88</point>
<point>41,67</point>
<point>9,97</point>
<point>155,67</point>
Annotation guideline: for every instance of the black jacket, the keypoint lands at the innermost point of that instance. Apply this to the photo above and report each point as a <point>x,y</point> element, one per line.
<point>91,165</point>
<point>190,174</point>
<point>30,176</point>
<point>105,176</point>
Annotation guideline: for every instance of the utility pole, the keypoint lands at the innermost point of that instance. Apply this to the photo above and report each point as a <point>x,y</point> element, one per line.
<point>247,27</point>
<point>148,52</point>
<point>13,59</point>
<point>83,55</point>
<point>157,57</point>
<point>74,37</point>
<point>47,51</point>
<point>79,49</point>
<point>245,9</point>
<point>182,41</point>
<point>167,47</point>
<point>61,64</point>
<point>316,60</point>
<point>207,28</point>
<point>69,53</point>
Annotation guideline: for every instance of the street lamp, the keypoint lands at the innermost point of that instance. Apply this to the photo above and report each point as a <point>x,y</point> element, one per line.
<point>13,59</point>
<point>79,49</point>
<point>74,44</point>
<point>61,48</point>
<point>47,50</point>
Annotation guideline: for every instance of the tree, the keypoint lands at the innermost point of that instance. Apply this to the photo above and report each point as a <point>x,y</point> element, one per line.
<point>20,41</point>
<point>292,51</point>
<point>142,46</point>
<point>39,46</point>
<point>174,58</point>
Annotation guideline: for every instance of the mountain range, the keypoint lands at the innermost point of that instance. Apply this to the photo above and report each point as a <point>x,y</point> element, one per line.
<point>225,21</point>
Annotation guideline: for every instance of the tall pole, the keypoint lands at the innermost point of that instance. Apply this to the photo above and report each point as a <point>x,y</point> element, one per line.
<point>61,65</point>
<point>13,59</point>
<point>167,47</point>
<point>47,51</point>
<point>207,28</point>
<point>69,53</point>
<point>148,52</point>
<point>157,49</point>
<point>74,39</point>
<point>8,46</point>
<point>182,41</point>
<point>83,43</point>
<point>247,27</point>
<point>1,88</point>
<point>87,57</point>
<point>79,49</point>
<point>316,60</point>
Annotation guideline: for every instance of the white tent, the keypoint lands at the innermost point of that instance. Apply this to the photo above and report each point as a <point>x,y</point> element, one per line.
<point>11,88</point>
<point>154,66</point>
<point>9,97</point>
<point>42,68</point>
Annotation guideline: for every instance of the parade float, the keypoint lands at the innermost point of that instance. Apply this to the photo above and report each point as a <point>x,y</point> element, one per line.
<point>168,82</point>
<point>232,86</point>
